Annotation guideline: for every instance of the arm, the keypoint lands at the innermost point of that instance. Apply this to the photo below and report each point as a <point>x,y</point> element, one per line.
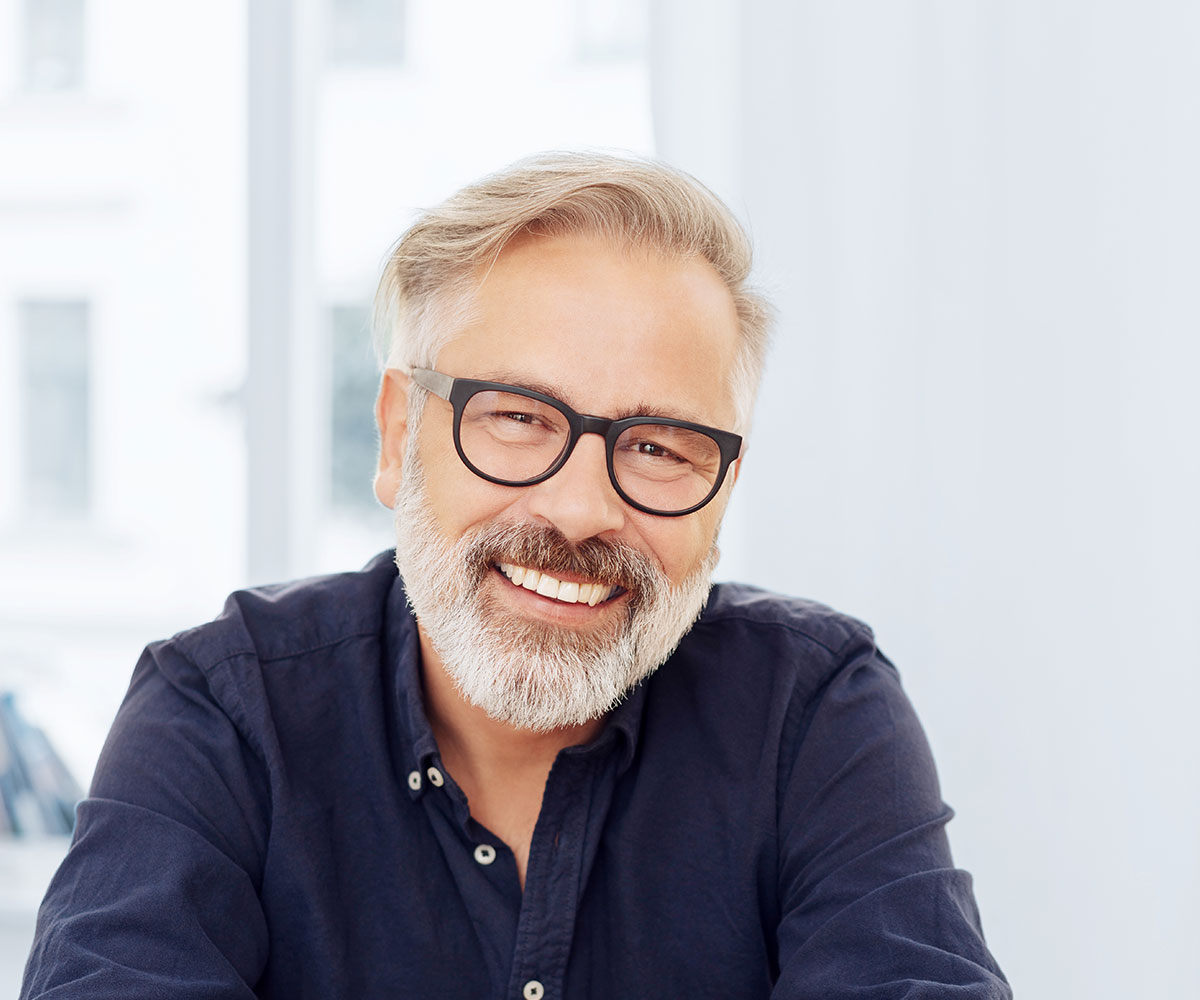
<point>158,895</point>
<point>872,906</point>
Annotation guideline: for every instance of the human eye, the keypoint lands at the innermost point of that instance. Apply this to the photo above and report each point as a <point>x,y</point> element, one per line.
<point>664,451</point>
<point>514,416</point>
<point>653,450</point>
<point>511,418</point>
<point>529,420</point>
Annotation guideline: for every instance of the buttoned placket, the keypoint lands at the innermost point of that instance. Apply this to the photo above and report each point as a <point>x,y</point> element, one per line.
<point>555,878</point>
<point>482,866</point>
<point>526,936</point>
<point>561,847</point>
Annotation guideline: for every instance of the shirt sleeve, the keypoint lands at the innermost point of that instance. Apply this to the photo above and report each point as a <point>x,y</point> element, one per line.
<point>158,895</point>
<point>871,905</point>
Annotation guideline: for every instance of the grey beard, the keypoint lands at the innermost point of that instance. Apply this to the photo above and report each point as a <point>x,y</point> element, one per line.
<point>536,675</point>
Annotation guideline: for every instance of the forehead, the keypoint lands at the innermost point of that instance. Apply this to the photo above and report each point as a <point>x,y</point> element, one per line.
<point>609,329</point>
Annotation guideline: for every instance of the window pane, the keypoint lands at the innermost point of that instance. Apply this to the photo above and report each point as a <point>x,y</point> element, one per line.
<point>366,32</point>
<point>610,29</point>
<point>53,44</point>
<point>55,402</point>
<point>355,379</point>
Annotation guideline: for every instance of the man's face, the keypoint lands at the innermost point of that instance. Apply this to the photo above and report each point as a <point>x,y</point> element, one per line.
<point>612,333</point>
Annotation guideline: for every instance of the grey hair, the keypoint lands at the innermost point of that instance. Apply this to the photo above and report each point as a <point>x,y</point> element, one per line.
<point>426,290</point>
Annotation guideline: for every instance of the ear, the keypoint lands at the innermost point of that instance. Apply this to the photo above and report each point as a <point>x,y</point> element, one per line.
<point>391,414</point>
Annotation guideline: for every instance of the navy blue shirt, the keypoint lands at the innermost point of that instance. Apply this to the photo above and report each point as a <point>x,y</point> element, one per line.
<point>270,817</point>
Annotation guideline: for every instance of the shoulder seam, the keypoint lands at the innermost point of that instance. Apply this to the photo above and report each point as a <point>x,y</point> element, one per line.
<point>305,650</point>
<point>857,630</point>
<point>301,651</point>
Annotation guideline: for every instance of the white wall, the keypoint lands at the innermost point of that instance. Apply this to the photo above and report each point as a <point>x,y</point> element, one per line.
<point>978,427</point>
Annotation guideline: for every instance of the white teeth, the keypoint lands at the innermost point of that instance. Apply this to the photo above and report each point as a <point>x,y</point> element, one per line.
<point>569,592</point>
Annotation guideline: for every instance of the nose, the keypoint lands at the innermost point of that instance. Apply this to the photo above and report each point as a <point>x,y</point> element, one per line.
<point>579,500</point>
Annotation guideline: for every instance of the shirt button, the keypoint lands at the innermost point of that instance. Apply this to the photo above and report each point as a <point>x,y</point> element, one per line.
<point>485,854</point>
<point>533,990</point>
<point>435,777</point>
<point>414,780</point>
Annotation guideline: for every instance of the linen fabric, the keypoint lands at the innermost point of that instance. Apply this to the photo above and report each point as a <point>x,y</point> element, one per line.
<point>270,817</point>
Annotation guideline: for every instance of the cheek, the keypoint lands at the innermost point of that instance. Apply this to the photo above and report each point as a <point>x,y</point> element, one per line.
<point>679,544</point>
<point>442,480</point>
<point>459,498</point>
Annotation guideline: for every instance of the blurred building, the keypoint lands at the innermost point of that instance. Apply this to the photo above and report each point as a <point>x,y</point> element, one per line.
<point>142,415</point>
<point>152,438</point>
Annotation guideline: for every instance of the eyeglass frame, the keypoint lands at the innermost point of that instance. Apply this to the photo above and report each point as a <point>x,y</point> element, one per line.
<point>457,392</point>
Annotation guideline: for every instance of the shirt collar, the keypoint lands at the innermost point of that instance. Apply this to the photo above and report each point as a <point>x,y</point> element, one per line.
<point>624,726</point>
<point>414,748</point>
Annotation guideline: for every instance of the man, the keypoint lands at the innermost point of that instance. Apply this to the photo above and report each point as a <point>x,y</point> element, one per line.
<point>545,760</point>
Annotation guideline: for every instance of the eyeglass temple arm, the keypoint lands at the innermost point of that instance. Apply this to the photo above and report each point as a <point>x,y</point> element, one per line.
<point>435,382</point>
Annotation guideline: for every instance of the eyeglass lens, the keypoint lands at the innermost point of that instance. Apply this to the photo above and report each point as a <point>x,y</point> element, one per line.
<point>516,439</point>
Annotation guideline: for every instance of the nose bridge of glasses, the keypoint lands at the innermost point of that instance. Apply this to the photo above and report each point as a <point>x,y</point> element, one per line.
<point>594,425</point>
<point>587,425</point>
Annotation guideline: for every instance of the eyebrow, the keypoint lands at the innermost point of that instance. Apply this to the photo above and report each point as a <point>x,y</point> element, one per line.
<point>636,410</point>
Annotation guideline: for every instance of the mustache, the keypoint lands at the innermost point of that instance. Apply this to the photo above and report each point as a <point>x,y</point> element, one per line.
<point>549,550</point>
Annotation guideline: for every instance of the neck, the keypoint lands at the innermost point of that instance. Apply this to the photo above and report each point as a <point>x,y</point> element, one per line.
<point>502,770</point>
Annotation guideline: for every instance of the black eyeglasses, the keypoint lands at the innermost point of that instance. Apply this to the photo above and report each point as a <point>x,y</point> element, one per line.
<point>517,437</point>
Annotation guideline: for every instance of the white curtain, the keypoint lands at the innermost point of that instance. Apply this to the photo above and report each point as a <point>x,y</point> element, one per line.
<point>978,429</point>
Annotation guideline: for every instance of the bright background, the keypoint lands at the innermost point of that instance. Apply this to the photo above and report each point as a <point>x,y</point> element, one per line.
<point>977,432</point>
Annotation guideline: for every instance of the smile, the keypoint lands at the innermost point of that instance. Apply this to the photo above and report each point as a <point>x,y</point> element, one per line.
<point>566,591</point>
